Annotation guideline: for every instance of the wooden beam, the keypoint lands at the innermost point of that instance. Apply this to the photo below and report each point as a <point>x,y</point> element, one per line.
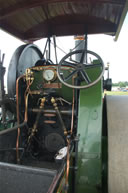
<point>28,4</point>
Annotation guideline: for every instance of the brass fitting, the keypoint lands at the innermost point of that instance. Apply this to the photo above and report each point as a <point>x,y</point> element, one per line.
<point>42,102</point>
<point>65,132</point>
<point>29,75</point>
<point>53,101</point>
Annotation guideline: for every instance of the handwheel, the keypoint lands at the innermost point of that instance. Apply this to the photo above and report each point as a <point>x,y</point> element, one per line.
<point>79,68</point>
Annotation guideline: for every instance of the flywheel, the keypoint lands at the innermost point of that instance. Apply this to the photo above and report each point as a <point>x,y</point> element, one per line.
<point>24,57</point>
<point>117,116</point>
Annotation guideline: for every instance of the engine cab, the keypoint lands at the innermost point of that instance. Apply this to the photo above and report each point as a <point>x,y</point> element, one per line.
<point>46,101</point>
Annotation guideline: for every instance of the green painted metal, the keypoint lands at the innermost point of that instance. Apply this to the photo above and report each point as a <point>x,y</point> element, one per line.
<point>64,91</point>
<point>89,175</point>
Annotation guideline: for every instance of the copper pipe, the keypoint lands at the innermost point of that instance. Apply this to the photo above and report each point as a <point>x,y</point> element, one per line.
<point>68,164</point>
<point>17,107</point>
<point>28,86</point>
<point>49,122</point>
<point>18,119</point>
<point>17,96</point>
<point>26,95</point>
<point>68,141</point>
<point>73,102</point>
<point>49,115</point>
<point>26,107</point>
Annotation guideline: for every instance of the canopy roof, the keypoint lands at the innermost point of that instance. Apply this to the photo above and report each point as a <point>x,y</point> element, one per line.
<point>34,19</point>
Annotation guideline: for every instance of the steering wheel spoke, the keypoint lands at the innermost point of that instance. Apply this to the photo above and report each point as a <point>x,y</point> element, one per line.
<point>70,64</point>
<point>71,75</point>
<point>88,66</point>
<point>83,56</point>
<point>85,76</point>
<point>74,61</point>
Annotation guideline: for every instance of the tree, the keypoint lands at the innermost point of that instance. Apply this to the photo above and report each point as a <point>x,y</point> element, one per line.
<point>122,84</point>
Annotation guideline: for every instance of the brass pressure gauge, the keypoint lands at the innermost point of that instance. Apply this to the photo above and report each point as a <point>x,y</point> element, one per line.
<point>49,75</point>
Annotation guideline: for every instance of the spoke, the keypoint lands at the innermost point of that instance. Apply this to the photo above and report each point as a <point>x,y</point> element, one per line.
<point>88,66</point>
<point>70,75</point>
<point>74,61</point>
<point>70,64</point>
<point>82,56</point>
<point>85,76</point>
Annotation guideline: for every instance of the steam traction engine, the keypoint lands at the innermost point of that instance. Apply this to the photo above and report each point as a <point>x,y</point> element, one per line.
<point>46,116</point>
<point>58,133</point>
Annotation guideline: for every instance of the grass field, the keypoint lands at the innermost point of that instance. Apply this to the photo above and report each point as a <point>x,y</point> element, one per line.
<point>116,93</point>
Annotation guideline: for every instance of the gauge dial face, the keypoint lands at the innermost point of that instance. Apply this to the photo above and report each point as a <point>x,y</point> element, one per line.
<point>48,75</point>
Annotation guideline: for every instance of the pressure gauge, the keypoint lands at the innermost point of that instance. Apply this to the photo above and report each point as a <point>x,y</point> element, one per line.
<point>49,75</point>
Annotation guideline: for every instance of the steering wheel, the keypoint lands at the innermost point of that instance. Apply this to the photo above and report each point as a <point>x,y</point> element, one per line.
<point>79,68</point>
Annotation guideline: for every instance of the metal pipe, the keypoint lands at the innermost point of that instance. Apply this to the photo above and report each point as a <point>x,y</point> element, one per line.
<point>11,149</point>
<point>33,129</point>
<point>49,48</point>
<point>53,101</point>
<point>45,47</point>
<point>13,128</point>
<point>75,162</point>
<point>61,121</point>
<point>64,112</point>
<point>54,41</point>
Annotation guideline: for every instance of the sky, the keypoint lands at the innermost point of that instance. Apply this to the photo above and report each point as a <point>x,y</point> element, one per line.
<point>115,53</point>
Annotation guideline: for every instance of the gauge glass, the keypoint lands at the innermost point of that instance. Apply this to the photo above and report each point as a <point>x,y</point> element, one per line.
<point>48,75</point>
